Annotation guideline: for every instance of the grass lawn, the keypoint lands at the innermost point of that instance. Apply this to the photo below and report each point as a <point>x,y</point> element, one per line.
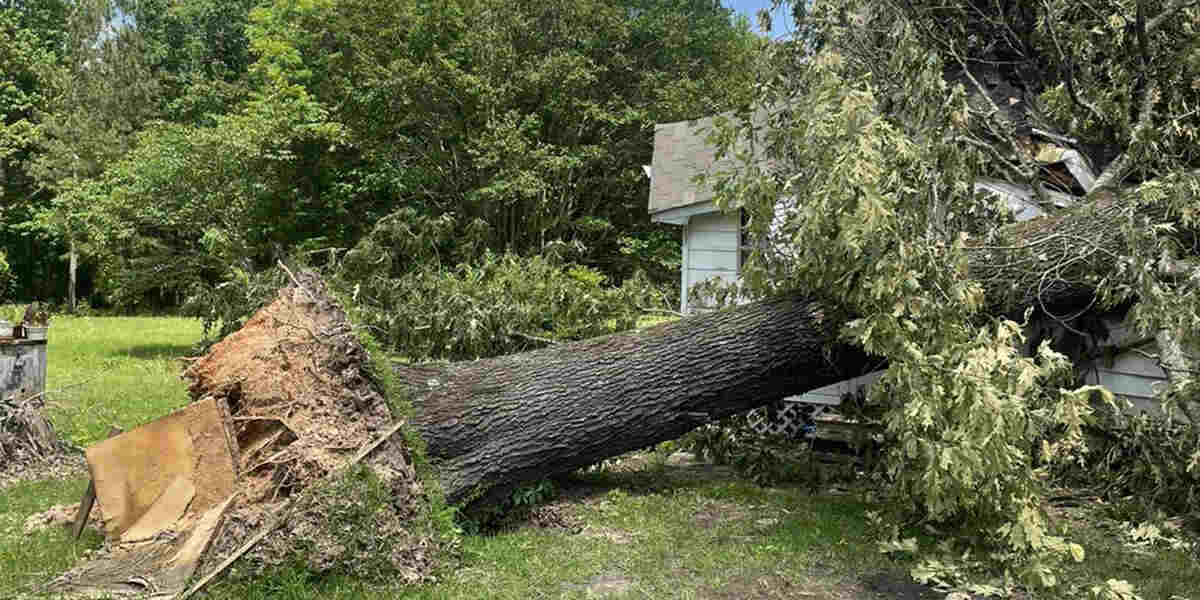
<point>119,371</point>
<point>637,528</point>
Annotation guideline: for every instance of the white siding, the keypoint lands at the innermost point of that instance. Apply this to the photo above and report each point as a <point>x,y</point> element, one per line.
<point>710,249</point>
<point>1131,374</point>
<point>832,394</point>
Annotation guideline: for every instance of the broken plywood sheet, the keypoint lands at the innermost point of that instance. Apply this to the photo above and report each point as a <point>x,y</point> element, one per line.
<point>165,511</point>
<point>133,470</point>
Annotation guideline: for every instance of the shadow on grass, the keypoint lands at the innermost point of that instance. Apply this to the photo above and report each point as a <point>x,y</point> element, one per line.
<point>155,351</point>
<point>643,480</point>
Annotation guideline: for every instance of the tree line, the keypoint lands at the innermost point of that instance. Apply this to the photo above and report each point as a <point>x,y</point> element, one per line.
<point>170,148</point>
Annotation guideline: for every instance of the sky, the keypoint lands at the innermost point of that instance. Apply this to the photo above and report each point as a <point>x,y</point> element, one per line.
<point>781,21</point>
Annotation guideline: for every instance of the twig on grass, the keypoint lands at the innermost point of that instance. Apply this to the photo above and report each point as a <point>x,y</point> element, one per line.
<point>61,389</point>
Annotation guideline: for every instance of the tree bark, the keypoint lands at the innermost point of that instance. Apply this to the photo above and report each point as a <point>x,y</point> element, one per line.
<point>492,424</point>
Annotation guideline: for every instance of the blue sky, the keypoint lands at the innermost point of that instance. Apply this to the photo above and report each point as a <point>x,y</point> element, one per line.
<point>781,21</point>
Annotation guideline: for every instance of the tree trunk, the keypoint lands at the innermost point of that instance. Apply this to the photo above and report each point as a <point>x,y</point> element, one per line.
<point>492,424</point>
<point>72,267</point>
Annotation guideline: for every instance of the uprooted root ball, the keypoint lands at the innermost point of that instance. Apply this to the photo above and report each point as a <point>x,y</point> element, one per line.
<point>301,403</point>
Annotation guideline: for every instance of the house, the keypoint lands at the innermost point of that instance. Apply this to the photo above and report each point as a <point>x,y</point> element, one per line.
<point>712,246</point>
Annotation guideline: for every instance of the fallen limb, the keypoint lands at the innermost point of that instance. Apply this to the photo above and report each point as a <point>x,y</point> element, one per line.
<point>493,424</point>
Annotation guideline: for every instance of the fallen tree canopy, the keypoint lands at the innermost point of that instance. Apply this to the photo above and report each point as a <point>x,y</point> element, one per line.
<point>496,423</point>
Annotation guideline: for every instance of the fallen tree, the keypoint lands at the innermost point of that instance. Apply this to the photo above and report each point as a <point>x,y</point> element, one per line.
<point>305,400</point>
<point>493,424</point>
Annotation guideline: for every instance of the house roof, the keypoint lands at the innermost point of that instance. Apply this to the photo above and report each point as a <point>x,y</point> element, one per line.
<point>682,152</point>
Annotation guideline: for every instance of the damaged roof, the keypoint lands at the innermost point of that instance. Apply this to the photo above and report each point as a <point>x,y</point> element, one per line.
<point>683,151</point>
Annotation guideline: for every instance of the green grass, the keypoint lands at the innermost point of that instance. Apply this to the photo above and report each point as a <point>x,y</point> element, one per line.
<point>41,556</point>
<point>668,533</point>
<point>661,530</point>
<point>1158,571</point>
<point>123,371</point>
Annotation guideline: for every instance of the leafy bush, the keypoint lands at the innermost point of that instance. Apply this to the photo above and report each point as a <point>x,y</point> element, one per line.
<point>224,307</point>
<point>417,302</point>
<point>7,278</point>
<point>503,304</point>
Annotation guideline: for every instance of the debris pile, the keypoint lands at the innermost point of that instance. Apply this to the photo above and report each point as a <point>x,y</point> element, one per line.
<point>288,452</point>
<point>25,434</point>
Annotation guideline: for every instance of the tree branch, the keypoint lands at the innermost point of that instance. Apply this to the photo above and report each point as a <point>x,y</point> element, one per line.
<point>1171,8</point>
<point>1123,163</point>
<point>1069,67</point>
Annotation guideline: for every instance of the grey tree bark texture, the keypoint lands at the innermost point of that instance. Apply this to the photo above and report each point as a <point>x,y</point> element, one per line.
<point>490,425</point>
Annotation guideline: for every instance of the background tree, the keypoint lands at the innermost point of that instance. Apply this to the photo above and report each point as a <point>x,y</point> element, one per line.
<point>99,72</point>
<point>31,38</point>
<point>524,125</point>
<point>99,94</point>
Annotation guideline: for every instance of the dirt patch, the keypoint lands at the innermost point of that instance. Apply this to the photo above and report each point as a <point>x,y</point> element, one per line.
<point>714,513</point>
<point>881,586</point>
<point>612,536</point>
<point>893,585</point>
<point>59,515</point>
<point>558,515</point>
<point>602,586</point>
<point>772,587</point>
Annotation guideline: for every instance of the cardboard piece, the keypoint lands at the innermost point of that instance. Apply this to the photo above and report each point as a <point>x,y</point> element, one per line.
<point>163,490</point>
<point>164,513</point>
<point>89,498</point>
<point>133,470</point>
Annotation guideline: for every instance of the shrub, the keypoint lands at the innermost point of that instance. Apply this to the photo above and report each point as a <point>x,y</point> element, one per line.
<point>499,305</point>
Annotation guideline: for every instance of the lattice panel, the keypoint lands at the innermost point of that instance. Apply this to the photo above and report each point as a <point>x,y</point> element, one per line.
<point>791,419</point>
